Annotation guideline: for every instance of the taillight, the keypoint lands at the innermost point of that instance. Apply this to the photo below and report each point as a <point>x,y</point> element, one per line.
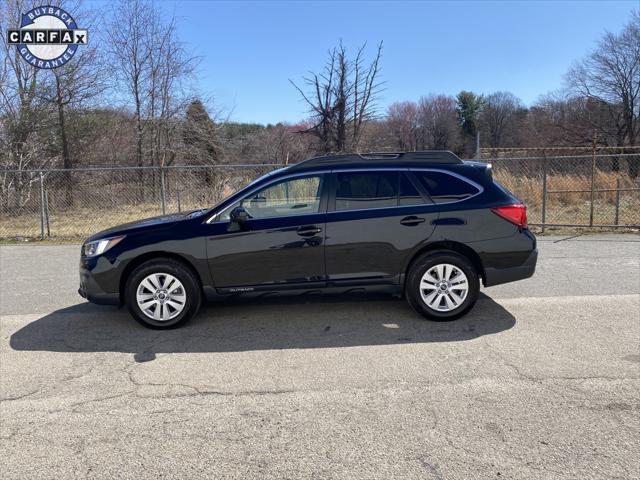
<point>516,214</point>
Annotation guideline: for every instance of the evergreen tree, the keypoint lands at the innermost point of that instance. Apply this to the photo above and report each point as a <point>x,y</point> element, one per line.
<point>468,110</point>
<point>200,136</point>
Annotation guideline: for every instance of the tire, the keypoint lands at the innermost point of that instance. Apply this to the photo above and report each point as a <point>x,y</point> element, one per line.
<point>440,264</point>
<point>170,291</point>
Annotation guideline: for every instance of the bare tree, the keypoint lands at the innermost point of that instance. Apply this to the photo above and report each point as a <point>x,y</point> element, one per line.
<point>438,122</point>
<point>170,68</point>
<point>498,118</point>
<point>130,51</point>
<point>282,144</point>
<point>153,68</point>
<point>24,116</point>
<point>561,119</point>
<point>610,76</point>
<point>342,97</point>
<point>403,122</point>
<point>74,86</point>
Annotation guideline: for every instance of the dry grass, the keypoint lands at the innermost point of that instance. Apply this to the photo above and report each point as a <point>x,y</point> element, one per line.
<point>73,224</point>
<point>566,205</point>
<point>530,188</point>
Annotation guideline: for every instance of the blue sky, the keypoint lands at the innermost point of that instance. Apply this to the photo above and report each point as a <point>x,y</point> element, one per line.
<point>250,50</point>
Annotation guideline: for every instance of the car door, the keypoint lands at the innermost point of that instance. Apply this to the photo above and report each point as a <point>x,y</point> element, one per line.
<point>280,246</point>
<point>376,218</point>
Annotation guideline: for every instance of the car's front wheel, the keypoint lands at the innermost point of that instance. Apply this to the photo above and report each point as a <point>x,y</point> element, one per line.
<point>162,293</point>
<point>442,286</point>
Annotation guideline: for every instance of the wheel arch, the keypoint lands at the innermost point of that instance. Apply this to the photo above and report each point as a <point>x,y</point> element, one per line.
<point>448,246</point>
<point>137,261</point>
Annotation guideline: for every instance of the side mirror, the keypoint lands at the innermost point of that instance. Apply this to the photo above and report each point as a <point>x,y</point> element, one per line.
<point>239,215</point>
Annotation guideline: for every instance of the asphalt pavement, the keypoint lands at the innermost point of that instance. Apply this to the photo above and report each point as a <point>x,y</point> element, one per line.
<point>540,380</point>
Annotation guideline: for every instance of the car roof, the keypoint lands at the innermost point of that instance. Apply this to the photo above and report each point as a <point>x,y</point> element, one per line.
<point>378,160</point>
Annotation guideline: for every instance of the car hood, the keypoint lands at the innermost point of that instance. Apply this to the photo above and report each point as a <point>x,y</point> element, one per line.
<point>160,222</point>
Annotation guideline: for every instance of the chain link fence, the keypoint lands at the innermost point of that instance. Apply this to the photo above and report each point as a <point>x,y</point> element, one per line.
<point>73,204</point>
<point>571,191</point>
<point>575,191</point>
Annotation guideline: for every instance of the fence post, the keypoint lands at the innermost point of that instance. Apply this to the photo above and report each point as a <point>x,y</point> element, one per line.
<point>617,201</point>
<point>41,206</point>
<point>46,212</point>
<point>162,191</point>
<point>544,193</point>
<point>593,181</point>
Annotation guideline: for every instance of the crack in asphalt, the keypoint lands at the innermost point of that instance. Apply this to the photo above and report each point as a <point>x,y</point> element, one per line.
<point>19,397</point>
<point>198,391</point>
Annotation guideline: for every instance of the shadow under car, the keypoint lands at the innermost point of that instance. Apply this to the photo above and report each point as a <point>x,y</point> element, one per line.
<point>258,324</point>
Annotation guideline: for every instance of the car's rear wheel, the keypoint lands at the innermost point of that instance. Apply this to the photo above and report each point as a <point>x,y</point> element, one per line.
<point>442,286</point>
<point>162,293</point>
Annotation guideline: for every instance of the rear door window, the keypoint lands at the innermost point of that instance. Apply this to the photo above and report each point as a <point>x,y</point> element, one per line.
<point>360,190</point>
<point>408,194</point>
<point>445,188</point>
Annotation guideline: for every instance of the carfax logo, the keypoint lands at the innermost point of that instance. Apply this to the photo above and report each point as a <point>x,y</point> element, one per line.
<point>48,37</point>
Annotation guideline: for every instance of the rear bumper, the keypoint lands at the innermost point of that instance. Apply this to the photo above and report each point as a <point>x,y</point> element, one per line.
<point>497,276</point>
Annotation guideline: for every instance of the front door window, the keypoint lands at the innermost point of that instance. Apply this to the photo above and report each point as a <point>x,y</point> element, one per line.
<point>295,196</point>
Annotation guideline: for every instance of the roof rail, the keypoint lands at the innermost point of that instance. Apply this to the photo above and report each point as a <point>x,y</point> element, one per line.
<point>368,159</point>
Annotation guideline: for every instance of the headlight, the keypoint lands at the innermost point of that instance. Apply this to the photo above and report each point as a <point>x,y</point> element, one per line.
<point>98,247</point>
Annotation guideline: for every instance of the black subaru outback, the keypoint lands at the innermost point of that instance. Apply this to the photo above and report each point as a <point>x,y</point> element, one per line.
<point>424,224</point>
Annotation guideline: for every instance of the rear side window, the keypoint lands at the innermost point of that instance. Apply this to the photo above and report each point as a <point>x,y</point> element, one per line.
<point>444,188</point>
<point>358,190</point>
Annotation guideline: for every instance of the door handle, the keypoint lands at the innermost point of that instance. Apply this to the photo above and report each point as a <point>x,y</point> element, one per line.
<point>412,220</point>
<point>308,230</point>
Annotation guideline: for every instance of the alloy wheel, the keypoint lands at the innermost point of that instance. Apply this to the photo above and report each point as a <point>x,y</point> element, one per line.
<point>161,296</point>
<point>444,287</point>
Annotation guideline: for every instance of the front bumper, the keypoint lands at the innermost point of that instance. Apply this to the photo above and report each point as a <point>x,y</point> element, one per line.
<point>497,276</point>
<point>90,289</point>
